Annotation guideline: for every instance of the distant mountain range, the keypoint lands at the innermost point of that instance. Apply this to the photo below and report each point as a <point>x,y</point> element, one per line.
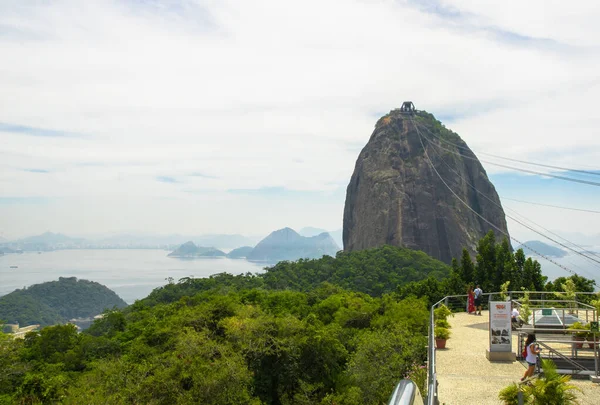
<point>541,248</point>
<point>43,242</point>
<point>283,244</point>
<point>54,241</point>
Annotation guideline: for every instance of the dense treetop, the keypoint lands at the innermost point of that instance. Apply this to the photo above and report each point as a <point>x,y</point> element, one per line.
<point>371,271</point>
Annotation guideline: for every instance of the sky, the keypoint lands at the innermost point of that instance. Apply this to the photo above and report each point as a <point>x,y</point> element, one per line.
<point>237,116</point>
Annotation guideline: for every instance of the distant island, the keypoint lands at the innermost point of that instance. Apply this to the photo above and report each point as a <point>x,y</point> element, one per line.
<point>190,250</point>
<point>57,302</point>
<point>283,244</point>
<point>240,253</point>
<point>541,248</point>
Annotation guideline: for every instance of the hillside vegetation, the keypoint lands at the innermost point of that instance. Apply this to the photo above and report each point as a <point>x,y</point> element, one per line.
<point>288,336</point>
<point>57,302</point>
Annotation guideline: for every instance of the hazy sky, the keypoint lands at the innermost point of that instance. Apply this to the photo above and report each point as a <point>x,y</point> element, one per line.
<point>244,116</point>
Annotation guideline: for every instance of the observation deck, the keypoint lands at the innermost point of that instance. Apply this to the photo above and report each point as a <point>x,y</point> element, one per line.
<point>465,376</point>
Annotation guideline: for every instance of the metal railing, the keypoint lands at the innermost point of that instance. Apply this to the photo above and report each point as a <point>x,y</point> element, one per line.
<point>406,393</point>
<point>432,391</point>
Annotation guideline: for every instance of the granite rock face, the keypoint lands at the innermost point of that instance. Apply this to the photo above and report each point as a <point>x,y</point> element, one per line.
<point>396,198</point>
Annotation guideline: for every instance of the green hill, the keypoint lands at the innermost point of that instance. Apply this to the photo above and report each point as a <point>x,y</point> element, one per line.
<point>372,271</point>
<point>286,336</point>
<point>57,302</point>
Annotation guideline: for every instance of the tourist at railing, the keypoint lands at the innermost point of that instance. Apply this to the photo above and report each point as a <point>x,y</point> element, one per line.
<point>478,296</point>
<point>470,300</point>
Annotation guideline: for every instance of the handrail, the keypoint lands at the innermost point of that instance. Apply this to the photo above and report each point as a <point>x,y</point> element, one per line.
<point>406,393</point>
<point>562,356</point>
<point>432,394</point>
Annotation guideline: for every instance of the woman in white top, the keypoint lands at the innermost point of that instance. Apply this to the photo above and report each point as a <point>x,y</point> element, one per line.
<point>532,351</point>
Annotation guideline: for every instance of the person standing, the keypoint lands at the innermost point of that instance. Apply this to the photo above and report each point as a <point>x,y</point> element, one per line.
<point>478,296</point>
<point>532,352</point>
<point>470,300</point>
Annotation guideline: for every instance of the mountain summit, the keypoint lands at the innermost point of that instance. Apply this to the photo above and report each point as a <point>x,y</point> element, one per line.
<point>395,196</point>
<point>287,244</point>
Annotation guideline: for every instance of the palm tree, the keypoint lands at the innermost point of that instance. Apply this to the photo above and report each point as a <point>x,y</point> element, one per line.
<point>552,388</point>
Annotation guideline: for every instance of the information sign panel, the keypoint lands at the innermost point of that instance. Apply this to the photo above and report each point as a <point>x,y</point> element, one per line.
<point>500,327</point>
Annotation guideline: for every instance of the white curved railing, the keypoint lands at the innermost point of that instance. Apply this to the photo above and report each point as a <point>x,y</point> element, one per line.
<point>406,393</point>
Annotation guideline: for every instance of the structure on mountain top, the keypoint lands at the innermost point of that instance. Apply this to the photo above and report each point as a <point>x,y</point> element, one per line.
<point>408,107</point>
<point>417,184</point>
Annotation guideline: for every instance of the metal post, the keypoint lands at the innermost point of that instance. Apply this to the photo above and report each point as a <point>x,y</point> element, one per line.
<point>596,354</point>
<point>520,397</point>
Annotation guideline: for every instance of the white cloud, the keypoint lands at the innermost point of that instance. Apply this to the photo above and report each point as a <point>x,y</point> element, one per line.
<point>271,94</point>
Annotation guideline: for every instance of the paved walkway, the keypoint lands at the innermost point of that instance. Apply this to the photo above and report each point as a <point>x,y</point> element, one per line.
<point>467,377</point>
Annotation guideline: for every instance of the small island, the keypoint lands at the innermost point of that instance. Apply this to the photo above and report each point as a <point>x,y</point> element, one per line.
<point>189,250</point>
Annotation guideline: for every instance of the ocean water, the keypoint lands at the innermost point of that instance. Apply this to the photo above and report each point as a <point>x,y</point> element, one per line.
<point>131,273</point>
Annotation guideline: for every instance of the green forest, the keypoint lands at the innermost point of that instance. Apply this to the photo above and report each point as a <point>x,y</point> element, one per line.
<point>57,302</point>
<point>340,330</point>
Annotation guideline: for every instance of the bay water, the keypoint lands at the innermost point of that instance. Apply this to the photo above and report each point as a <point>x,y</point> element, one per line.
<point>134,273</point>
<point>131,273</point>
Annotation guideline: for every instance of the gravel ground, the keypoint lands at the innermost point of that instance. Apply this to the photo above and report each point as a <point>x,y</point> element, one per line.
<point>467,377</point>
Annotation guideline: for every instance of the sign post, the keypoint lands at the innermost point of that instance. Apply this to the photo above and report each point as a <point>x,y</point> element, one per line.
<point>500,332</point>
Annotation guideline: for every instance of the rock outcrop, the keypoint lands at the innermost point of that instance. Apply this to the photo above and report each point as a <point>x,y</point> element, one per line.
<point>395,196</point>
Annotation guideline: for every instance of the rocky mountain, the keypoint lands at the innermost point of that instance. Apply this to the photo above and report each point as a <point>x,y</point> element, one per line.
<point>57,302</point>
<point>190,250</point>
<point>287,244</point>
<point>542,248</point>
<point>395,196</point>
<point>240,253</point>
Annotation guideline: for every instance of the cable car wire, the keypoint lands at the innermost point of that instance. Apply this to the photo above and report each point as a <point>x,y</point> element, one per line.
<point>524,218</point>
<point>475,212</point>
<point>552,206</point>
<point>593,173</point>
<point>592,183</point>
